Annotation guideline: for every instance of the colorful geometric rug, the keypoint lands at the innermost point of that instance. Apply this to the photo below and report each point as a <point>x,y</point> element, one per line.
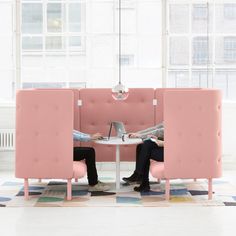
<point>53,194</point>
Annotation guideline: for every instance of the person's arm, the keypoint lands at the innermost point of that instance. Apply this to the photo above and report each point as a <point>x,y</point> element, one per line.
<point>158,133</point>
<point>150,130</point>
<point>79,136</point>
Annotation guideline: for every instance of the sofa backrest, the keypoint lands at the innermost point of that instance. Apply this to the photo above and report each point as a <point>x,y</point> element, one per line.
<point>44,124</point>
<point>93,109</point>
<point>98,109</point>
<point>192,121</point>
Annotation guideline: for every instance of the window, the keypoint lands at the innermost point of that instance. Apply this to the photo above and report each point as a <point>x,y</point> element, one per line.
<point>72,43</point>
<point>7,65</point>
<point>230,11</point>
<point>230,49</point>
<point>52,26</point>
<point>202,51</point>
<point>53,45</point>
<point>75,42</point>
<point>127,60</point>
<point>200,12</point>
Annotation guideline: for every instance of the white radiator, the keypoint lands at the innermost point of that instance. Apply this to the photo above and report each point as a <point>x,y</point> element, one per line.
<point>7,139</point>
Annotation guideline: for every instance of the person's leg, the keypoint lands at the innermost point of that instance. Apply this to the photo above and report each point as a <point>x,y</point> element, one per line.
<point>87,153</point>
<point>138,150</point>
<point>144,186</point>
<point>135,178</point>
<point>157,154</point>
<point>144,156</point>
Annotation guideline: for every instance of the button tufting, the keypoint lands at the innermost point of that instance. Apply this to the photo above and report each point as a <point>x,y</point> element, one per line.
<point>218,134</point>
<point>36,133</point>
<point>200,108</point>
<point>199,134</point>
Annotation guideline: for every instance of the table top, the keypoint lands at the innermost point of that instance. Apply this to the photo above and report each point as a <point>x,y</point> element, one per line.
<point>118,141</point>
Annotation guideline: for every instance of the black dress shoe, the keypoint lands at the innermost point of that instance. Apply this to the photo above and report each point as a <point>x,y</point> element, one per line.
<point>135,178</point>
<point>142,188</point>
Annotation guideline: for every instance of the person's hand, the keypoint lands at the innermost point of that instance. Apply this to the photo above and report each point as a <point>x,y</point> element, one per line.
<point>133,135</point>
<point>152,136</point>
<point>160,143</point>
<point>96,136</point>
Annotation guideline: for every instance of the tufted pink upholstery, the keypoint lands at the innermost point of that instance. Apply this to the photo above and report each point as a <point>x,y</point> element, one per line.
<point>79,169</point>
<point>46,118</point>
<point>99,109</point>
<point>157,169</point>
<point>44,143</point>
<point>192,120</point>
<point>159,96</point>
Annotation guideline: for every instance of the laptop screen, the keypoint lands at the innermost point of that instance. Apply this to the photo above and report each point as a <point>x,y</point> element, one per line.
<point>119,128</point>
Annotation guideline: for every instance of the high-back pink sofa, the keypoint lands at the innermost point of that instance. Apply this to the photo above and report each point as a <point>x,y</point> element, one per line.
<point>44,144</point>
<point>192,120</point>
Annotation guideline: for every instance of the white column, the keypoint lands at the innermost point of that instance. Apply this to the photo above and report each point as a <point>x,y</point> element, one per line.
<point>117,167</point>
<point>18,43</point>
<point>164,43</point>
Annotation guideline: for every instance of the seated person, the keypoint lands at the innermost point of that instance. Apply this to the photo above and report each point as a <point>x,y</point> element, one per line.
<point>88,153</point>
<point>151,148</point>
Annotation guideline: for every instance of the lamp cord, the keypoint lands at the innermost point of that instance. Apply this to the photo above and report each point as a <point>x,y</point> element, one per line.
<point>119,32</point>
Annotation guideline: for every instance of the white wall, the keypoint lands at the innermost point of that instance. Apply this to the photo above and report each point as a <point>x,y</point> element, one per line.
<point>7,117</point>
<point>228,134</point>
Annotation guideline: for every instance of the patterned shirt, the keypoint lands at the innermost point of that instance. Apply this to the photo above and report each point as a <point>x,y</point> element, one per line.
<point>157,130</point>
<point>79,136</point>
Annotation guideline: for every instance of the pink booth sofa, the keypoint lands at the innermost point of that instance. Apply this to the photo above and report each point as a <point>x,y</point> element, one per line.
<point>192,119</point>
<point>44,144</point>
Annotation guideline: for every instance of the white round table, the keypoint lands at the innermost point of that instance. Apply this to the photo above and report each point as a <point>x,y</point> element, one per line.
<point>118,141</point>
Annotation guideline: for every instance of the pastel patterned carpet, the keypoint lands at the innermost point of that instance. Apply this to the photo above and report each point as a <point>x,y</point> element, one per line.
<point>53,194</point>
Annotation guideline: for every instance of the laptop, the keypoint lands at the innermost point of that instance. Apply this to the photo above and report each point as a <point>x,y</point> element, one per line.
<point>109,134</point>
<point>119,128</point>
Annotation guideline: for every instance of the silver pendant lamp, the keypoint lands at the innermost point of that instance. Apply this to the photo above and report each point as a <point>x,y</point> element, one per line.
<point>120,91</point>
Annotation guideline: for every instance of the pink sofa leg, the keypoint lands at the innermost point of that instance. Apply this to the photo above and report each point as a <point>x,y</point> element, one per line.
<point>209,189</point>
<point>26,189</point>
<point>195,180</point>
<point>167,189</point>
<point>76,180</point>
<point>69,189</point>
<point>40,180</point>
